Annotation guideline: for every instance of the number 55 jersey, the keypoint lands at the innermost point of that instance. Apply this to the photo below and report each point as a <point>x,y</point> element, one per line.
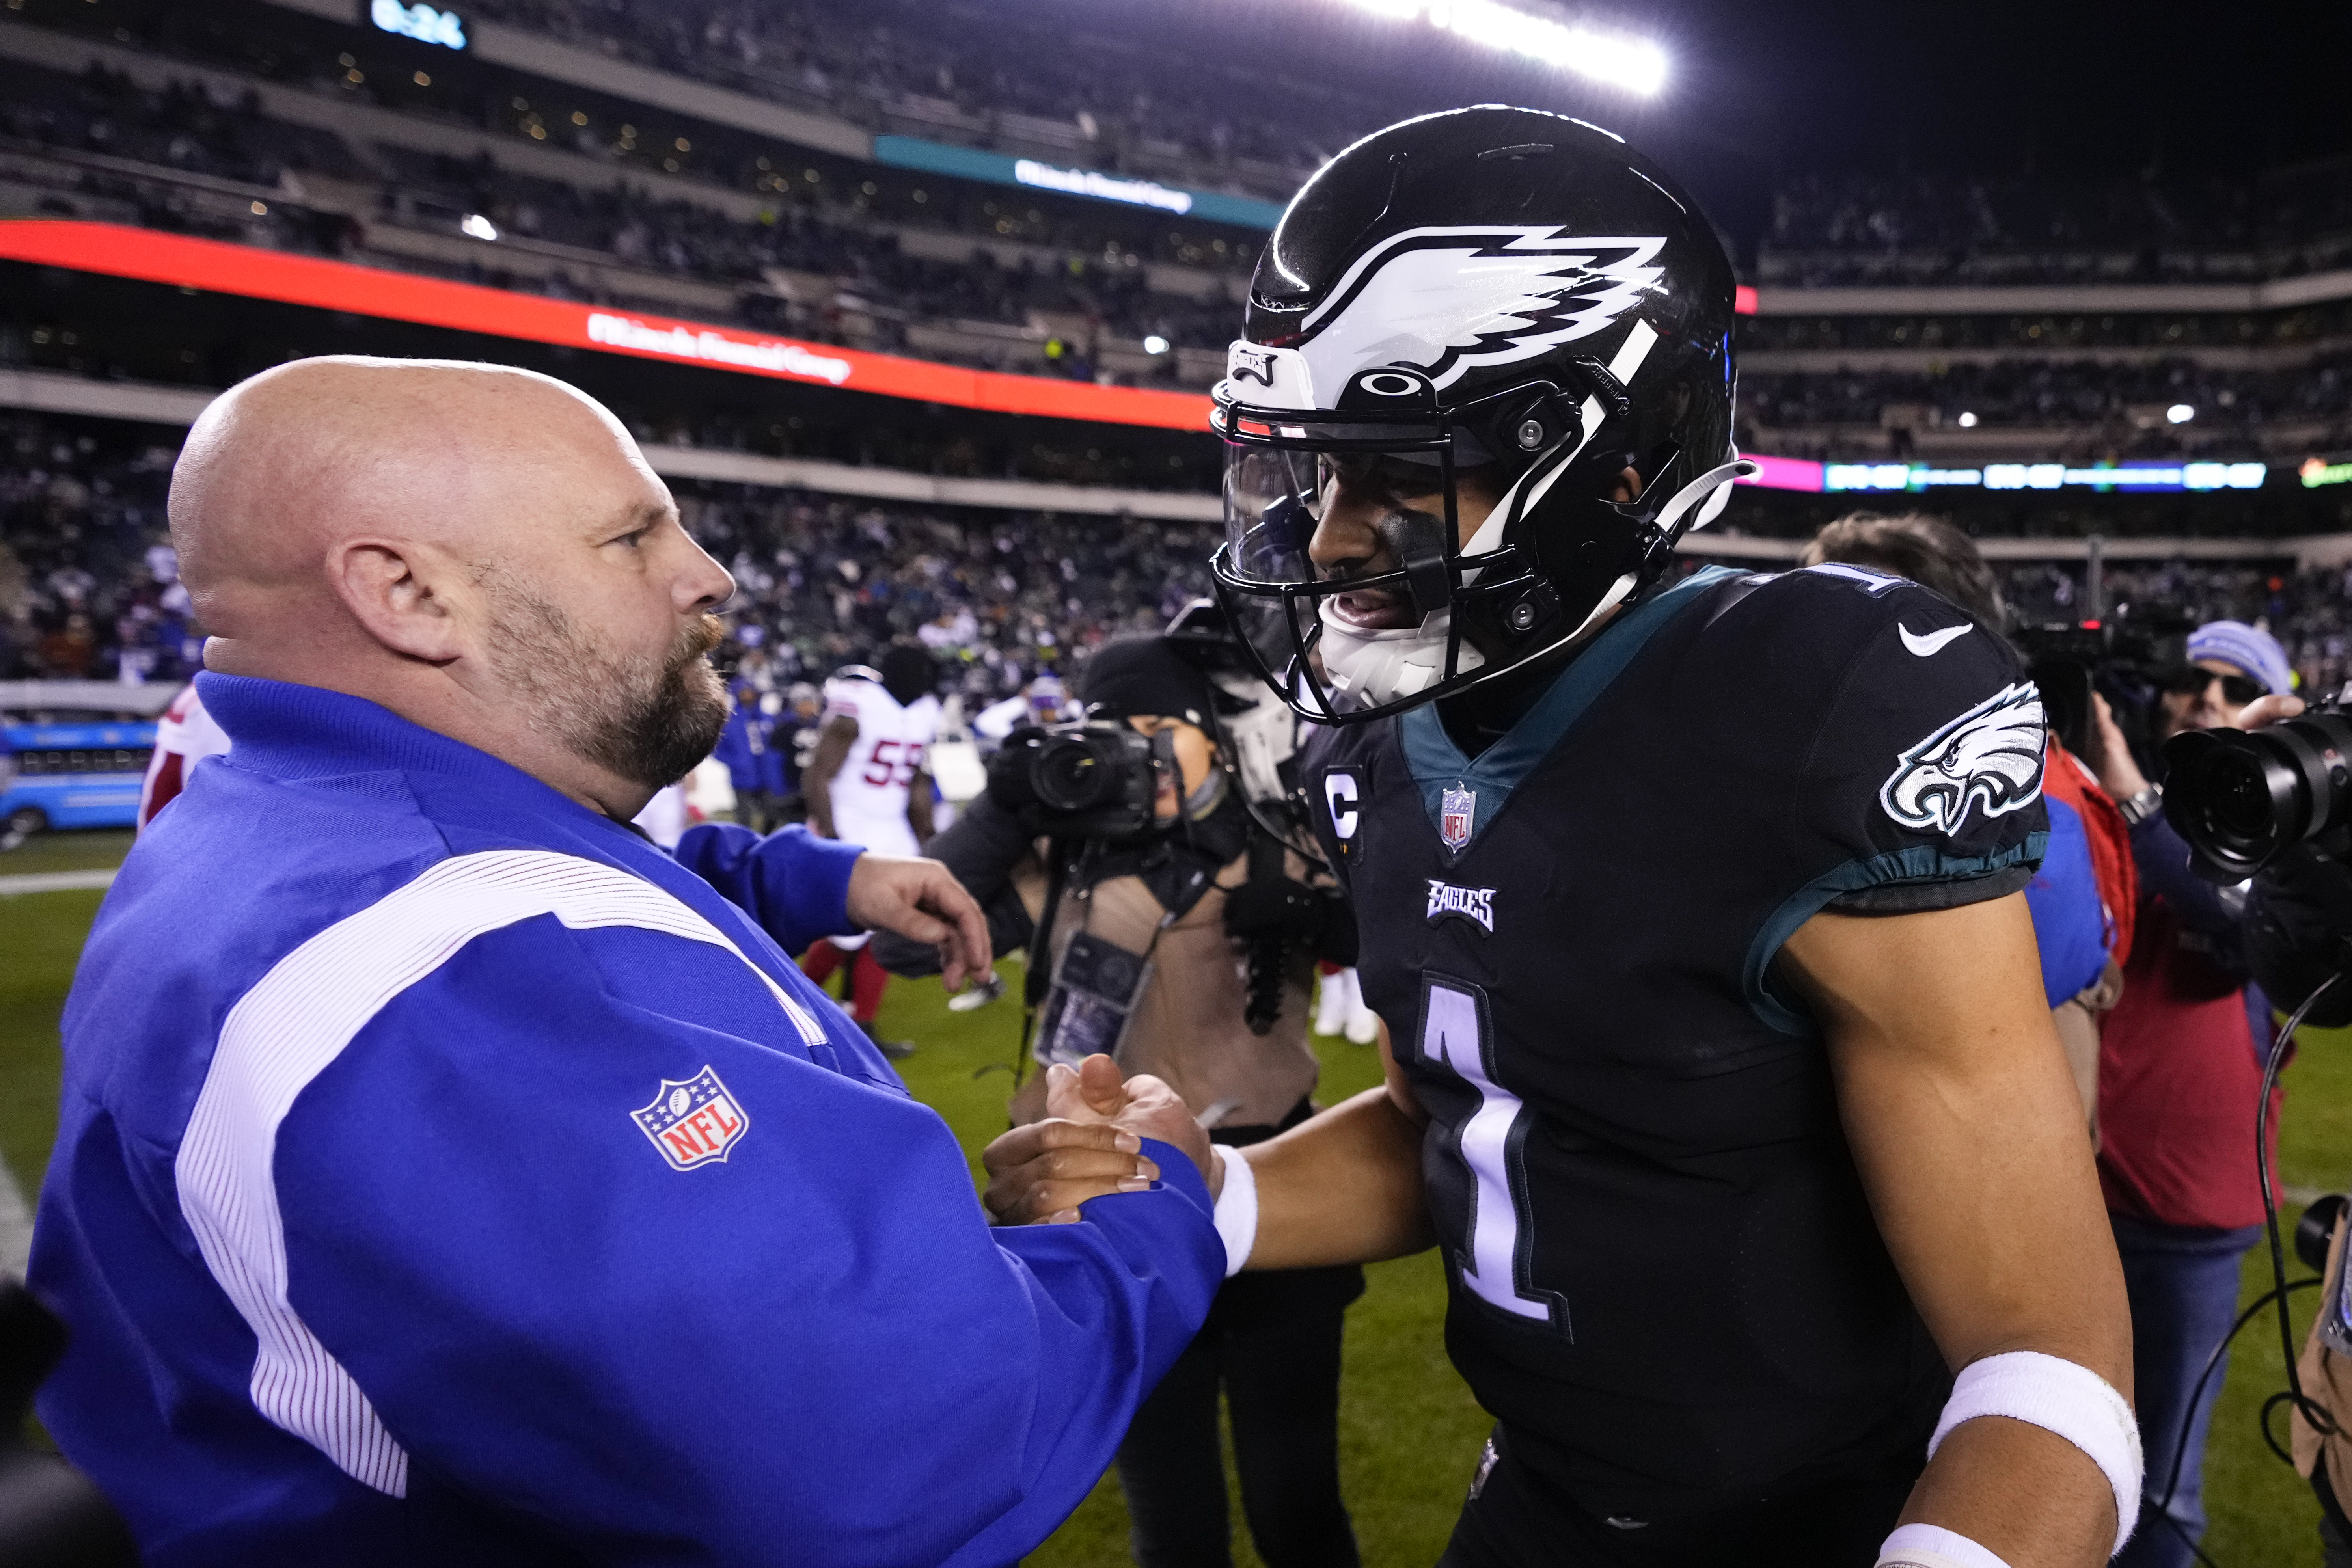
<point>1666,1281</point>
<point>871,791</point>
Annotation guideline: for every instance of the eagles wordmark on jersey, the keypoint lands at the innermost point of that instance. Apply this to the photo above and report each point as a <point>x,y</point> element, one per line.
<point>1666,1278</point>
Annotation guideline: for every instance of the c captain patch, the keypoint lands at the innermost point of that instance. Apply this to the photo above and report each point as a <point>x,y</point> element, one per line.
<point>1343,796</point>
<point>1456,817</point>
<point>693,1122</point>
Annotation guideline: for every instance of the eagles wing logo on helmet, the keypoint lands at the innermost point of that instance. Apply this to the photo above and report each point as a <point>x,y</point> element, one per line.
<point>1445,299</point>
<point>1990,755</point>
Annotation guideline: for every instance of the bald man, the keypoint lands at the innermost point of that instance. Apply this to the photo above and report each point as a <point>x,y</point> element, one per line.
<point>447,1175</point>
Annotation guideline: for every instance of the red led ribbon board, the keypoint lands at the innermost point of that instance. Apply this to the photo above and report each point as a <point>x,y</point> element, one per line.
<point>152,257</point>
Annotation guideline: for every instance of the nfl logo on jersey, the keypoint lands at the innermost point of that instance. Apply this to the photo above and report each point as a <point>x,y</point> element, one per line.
<point>1456,808</point>
<point>692,1122</point>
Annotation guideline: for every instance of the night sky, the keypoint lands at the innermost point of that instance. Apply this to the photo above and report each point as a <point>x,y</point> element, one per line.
<point>1764,88</point>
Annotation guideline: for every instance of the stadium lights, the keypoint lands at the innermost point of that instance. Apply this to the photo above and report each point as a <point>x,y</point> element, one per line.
<point>1634,64</point>
<point>479,226</point>
<point>2180,414</point>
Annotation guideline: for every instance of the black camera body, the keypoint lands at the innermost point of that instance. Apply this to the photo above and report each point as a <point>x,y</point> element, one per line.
<point>1093,779</point>
<point>2126,659</point>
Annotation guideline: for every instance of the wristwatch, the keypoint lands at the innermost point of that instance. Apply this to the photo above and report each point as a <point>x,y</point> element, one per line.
<point>2143,806</point>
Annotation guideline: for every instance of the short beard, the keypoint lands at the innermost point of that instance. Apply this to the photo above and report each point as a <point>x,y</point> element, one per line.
<point>650,723</point>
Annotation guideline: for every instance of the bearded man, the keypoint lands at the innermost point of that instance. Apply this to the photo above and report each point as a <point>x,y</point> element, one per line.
<point>447,1175</point>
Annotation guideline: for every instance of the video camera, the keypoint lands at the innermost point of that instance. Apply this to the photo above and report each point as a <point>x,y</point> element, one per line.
<point>1093,779</point>
<point>2127,659</point>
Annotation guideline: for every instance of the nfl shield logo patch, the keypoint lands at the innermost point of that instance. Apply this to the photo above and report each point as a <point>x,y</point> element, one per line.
<point>694,1122</point>
<point>1456,814</point>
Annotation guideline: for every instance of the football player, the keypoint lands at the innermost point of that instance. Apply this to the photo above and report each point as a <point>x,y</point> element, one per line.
<point>867,785</point>
<point>1720,1072</point>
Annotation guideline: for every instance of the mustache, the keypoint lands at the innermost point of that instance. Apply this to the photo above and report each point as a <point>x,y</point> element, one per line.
<point>701,636</point>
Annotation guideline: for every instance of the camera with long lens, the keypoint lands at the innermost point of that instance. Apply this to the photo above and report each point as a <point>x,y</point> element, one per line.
<point>2242,799</point>
<point>1085,778</point>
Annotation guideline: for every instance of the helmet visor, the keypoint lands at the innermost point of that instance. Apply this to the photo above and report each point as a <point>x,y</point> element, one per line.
<point>1382,522</point>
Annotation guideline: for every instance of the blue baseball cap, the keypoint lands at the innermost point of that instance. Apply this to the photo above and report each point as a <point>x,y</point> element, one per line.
<point>2250,648</point>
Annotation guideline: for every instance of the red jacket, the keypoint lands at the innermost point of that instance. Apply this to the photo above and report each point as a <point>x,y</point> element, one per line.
<point>2179,1061</point>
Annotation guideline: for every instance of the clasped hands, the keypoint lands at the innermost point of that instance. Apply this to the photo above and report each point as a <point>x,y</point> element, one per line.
<point>1091,1145</point>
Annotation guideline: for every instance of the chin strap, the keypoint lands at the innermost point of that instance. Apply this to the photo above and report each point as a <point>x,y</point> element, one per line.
<point>1705,496</point>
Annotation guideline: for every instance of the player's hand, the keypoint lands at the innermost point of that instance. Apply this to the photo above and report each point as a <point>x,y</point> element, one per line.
<point>1144,1105</point>
<point>1041,1172</point>
<point>922,900</point>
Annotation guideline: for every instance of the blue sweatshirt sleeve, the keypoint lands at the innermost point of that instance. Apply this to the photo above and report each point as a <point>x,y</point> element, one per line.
<point>810,1340</point>
<point>2162,856</point>
<point>794,883</point>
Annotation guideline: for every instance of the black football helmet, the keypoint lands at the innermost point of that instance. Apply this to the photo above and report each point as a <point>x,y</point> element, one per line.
<point>1496,296</point>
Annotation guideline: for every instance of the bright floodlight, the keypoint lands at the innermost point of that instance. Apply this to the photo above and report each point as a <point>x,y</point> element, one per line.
<point>2180,414</point>
<point>1634,64</point>
<point>479,226</point>
<point>1155,344</point>
<point>1967,422</point>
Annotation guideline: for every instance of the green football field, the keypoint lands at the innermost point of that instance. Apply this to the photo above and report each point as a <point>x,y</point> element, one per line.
<point>1409,1430</point>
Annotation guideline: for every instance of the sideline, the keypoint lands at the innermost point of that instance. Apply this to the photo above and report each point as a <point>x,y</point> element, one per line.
<point>56,882</point>
<point>15,1224</point>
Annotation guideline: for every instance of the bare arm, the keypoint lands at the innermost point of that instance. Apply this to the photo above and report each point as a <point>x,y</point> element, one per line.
<point>833,744</point>
<point>918,806</point>
<point>1965,1126</point>
<point>1345,1186</point>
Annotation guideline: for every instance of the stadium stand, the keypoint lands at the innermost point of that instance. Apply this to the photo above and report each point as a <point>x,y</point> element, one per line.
<point>89,587</point>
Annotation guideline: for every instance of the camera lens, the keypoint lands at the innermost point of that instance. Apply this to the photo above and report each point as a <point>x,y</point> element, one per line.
<point>2242,800</point>
<point>2237,798</point>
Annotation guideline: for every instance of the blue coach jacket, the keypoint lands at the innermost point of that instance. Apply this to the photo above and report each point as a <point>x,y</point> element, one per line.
<point>445,1175</point>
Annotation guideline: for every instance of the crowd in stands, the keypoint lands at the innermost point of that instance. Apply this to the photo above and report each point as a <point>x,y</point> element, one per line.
<point>962,69</point>
<point>90,588</point>
<point>856,285</point>
<point>2228,410</point>
<point>1850,229</point>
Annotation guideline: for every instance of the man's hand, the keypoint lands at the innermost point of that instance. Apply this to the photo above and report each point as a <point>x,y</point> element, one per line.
<point>922,900</point>
<point>1087,1146</point>
<point>1041,1173</point>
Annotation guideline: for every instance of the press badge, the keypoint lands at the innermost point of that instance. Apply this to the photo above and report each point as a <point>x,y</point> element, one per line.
<point>1092,999</point>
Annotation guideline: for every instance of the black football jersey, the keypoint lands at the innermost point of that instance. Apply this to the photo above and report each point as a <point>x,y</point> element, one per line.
<point>1666,1281</point>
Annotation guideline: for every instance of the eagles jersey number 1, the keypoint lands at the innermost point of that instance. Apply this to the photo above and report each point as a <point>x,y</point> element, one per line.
<point>1667,1280</point>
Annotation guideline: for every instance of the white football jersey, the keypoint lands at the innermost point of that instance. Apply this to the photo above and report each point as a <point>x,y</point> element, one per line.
<point>870,792</point>
<point>185,737</point>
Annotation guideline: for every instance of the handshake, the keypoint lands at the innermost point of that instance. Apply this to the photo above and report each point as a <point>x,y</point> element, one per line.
<point>1091,1145</point>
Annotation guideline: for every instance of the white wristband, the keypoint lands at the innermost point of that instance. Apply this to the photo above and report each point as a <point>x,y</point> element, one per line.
<point>1933,1546</point>
<point>1236,1208</point>
<point>2060,1397</point>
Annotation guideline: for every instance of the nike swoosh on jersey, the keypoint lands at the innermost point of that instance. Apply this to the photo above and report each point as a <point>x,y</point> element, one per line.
<point>1934,642</point>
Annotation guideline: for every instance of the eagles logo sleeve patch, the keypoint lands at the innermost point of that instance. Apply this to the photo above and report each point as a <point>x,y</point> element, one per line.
<point>1989,760</point>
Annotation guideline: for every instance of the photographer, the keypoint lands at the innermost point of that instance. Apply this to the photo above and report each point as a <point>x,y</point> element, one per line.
<point>1186,949</point>
<point>2179,1072</point>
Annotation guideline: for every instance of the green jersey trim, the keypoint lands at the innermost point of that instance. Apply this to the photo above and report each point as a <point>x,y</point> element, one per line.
<point>1918,863</point>
<point>1437,764</point>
